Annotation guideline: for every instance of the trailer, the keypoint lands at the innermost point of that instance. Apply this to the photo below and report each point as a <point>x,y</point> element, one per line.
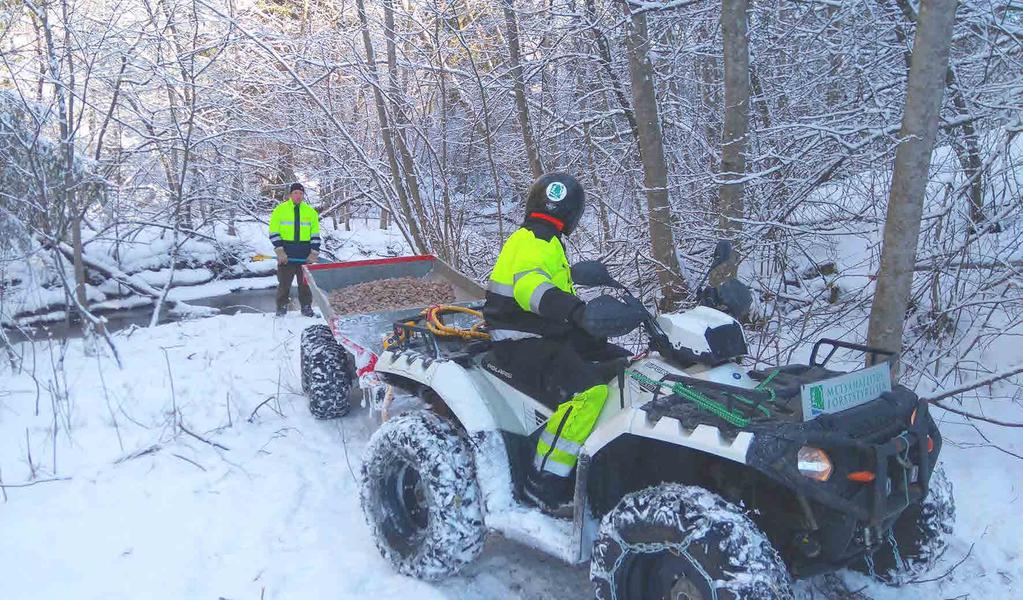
<point>339,356</point>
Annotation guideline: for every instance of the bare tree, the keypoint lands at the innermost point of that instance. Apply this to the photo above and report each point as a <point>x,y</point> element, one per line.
<point>736,122</point>
<point>387,132</point>
<point>651,150</point>
<point>514,53</point>
<point>925,88</point>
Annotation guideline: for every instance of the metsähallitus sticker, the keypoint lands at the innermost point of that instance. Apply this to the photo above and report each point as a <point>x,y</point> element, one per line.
<point>845,391</point>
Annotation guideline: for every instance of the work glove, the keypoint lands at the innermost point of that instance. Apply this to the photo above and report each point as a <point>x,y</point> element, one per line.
<point>606,317</point>
<point>282,257</point>
<point>313,257</point>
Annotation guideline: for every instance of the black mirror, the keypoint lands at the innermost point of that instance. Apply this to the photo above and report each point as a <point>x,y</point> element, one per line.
<point>722,253</point>
<point>736,297</point>
<point>592,273</point>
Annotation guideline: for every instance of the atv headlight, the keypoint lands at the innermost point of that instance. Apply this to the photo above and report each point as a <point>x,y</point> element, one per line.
<point>814,463</point>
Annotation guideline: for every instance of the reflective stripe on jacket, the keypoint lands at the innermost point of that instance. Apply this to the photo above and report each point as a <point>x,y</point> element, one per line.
<point>296,228</point>
<point>530,288</point>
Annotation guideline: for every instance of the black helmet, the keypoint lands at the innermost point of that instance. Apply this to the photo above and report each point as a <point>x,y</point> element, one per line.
<point>558,195</point>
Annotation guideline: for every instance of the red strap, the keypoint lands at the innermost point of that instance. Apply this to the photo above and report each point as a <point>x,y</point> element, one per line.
<point>558,224</point>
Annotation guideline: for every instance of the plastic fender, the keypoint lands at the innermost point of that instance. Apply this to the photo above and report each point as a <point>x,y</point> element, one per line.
<point>726,374</point>
<point>448,380</point>
<point>704,438</point>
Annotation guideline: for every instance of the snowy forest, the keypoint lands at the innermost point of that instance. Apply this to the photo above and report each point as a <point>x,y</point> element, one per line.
<point>863,157</point>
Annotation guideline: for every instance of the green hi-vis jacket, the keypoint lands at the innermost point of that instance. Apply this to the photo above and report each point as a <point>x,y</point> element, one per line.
<point>530,291</point>
<point>296,228</point>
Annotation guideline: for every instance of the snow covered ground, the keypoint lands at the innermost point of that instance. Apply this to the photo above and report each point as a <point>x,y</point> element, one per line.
<point>196,471</point>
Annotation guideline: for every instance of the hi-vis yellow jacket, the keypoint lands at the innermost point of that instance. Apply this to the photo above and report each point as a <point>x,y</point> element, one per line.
<point>296,228</point>
<point>530,291</point>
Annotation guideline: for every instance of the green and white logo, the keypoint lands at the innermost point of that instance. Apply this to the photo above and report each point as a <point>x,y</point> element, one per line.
<point>817,397</point>
<point>556,191</point>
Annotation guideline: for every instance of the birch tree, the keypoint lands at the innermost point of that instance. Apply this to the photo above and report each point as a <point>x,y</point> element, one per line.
<point>925,89</point>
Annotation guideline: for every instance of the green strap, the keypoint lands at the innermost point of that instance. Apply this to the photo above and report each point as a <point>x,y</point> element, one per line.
<point>762,386</point>
<point>767,380</point>
<point>749,402</point>
<point>696,398</point>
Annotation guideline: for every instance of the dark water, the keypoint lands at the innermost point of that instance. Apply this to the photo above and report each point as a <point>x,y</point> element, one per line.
<point>243,301</point>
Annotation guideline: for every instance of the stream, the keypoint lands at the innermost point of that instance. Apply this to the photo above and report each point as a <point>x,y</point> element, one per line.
<point>242,301</point>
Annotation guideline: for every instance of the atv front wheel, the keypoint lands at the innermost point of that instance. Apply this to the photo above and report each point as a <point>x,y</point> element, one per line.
<point>420,496</point>
<point>326,373</point>
<point>684,543</point>
<point>919,536</point>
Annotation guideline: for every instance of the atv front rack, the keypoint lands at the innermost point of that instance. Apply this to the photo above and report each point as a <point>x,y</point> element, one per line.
<point>870,351</point>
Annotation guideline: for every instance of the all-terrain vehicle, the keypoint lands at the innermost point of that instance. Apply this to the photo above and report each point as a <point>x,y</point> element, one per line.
<point>702,479</point>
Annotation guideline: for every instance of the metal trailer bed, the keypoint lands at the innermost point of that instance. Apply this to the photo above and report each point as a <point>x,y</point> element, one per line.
<point>362,334</point>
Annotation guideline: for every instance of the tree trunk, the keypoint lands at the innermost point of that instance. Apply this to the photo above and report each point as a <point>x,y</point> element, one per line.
<point>65,115</point>
<point>969,156</point>
<point>655,168</point>
<point>398,114</point>
<point>386,133</point>
<point>735,39</point>
<point>79,264</point>
<point>912,161</point>
<point>604,52</point>
<point>512,28</point>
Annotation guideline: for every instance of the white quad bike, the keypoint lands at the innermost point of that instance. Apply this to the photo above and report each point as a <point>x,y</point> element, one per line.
<point>701,479</point>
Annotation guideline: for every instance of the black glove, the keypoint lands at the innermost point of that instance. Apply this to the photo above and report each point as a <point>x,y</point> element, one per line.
<point>606,316</point>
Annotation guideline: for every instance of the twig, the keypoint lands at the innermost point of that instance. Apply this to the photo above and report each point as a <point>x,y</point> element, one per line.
<point>976,383</point>
<point>28,449</point>
<point>948,572</point>
<point>138,453</point>
<point>174,397</point>
<point>188,460</point>
<point>31,483</point>
<point>200,438</point>
<point>106,395</point>
<point>975,416</point>
<point>252,417</point>
<point>344,444</point>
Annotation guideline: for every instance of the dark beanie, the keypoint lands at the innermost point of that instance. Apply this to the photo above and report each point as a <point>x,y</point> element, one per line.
<point>296,186</point>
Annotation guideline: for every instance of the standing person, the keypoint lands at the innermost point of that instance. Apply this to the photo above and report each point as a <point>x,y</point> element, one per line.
<point>295,234</point>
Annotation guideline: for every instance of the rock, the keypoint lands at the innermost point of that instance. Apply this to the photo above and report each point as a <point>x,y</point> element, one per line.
<point>390,294</point>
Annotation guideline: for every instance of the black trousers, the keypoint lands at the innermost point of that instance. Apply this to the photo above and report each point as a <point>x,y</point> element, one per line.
<point>552,370</point>
<point>285,274</point>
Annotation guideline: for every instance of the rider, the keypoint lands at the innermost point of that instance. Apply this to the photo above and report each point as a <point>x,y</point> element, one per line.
<point>535,320</point>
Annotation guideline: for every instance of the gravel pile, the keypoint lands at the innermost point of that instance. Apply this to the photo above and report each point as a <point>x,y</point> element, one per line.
<point>390,294</point>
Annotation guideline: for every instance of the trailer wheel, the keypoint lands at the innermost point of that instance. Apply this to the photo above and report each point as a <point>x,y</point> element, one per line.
<point>326,373</point>
<point>420,496</point>
<point>683,542</point>
<point>919,536</point>
<point>312,337</point>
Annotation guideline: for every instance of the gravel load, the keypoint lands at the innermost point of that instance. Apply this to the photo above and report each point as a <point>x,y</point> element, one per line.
<point>390,294</point>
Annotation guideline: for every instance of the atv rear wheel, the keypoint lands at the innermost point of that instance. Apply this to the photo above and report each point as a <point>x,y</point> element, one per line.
<point>919,536</point>
<point>326,373</point>
<point>420,496</point>
<point>684,543</point>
